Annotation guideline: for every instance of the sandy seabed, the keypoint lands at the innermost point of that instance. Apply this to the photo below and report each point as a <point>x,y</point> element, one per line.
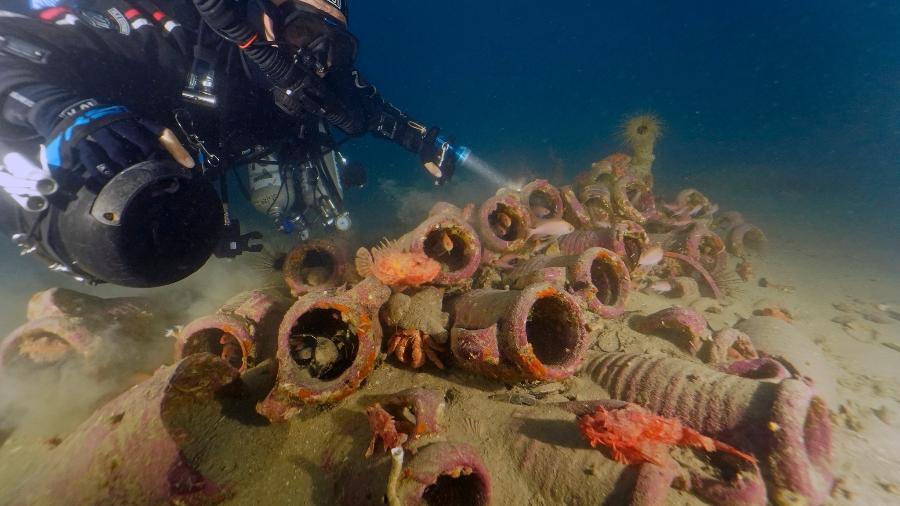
<point>838,289</point>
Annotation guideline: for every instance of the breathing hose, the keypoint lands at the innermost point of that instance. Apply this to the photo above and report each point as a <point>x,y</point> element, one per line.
<point>295,91</point>
<point>221,17</point>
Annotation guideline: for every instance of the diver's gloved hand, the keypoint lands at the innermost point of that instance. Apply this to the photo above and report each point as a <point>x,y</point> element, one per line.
<point>106,139</point>
<point>437,156</point>
<point>434,151</point>
<point>386,120</point>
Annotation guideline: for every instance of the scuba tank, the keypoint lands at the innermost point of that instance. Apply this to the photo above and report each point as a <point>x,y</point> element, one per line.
<point>308,190</point>
<point>273,192</point>
<point>269,193</point>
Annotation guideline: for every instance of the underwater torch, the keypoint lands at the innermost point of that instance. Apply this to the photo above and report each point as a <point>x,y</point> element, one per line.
<point>465,158</point>
<point>461,153</point>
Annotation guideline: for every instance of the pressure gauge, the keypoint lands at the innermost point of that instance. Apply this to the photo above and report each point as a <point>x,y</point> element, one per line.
<point>343,222</point>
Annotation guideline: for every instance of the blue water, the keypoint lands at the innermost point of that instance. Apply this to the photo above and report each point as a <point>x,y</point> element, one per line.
<point>800,94</point>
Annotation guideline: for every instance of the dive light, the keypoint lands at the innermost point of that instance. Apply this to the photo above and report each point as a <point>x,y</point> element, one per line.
<point>460,152</point>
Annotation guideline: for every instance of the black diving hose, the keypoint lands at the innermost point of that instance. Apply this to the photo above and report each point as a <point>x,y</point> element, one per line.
<point>223,18</point>
<point>220,15</point>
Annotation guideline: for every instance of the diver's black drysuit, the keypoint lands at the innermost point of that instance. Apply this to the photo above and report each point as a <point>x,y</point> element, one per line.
<point>139,54</point>
<point>101,87</point>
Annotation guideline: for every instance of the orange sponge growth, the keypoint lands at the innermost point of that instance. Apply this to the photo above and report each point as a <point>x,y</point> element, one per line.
<point>634,435</point>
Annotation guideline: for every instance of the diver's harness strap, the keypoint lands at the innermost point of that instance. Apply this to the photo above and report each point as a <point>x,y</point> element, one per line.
<point>201,85</point>
<point>201,91</point>
<point>232,243</point>
<point>19,48</point>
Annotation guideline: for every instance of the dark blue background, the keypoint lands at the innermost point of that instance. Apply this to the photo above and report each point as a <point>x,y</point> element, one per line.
<point>808,92</point>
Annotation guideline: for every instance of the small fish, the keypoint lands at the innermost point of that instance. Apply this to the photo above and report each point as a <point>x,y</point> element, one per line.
<point>651,256</point>
<point>661,286</point>
<point>446,243</point>
<point>680,220</point>
<point>504,220</point>
<point>509,260</point>
<point>552,228</point>
<point>541,211</point>
<point>231,350</point>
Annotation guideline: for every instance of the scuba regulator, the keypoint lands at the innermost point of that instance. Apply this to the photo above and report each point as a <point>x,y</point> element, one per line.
<point>296,191</point>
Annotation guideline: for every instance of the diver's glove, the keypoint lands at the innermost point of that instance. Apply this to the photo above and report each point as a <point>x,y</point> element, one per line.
<point>106,139</point>
<point>437,156</point>
<point>435,153</point>
<point>386,120</point>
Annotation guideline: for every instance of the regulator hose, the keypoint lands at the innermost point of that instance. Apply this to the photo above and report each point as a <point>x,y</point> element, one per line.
<point>220,15</point>
<point>223,18</point>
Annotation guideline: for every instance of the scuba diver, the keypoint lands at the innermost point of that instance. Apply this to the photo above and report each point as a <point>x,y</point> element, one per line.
<point>118,116</point>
